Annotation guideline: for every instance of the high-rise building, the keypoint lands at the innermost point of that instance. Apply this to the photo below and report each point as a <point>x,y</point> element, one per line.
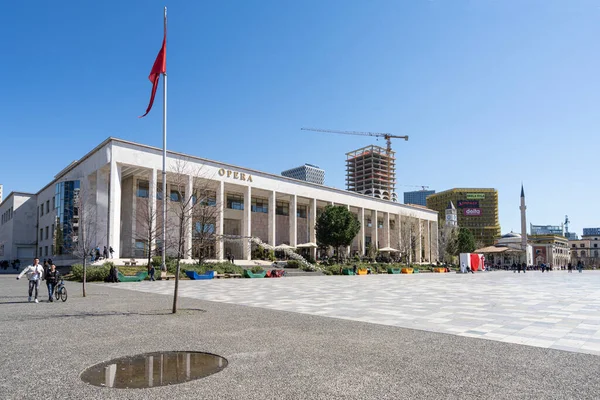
<point>307,172</point>
<point>371,171</point>
<point>477,210</point>
<point>418,197</point>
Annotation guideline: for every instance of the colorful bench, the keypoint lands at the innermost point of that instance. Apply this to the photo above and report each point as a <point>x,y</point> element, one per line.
<point>140,276</point>
<point>193,275</point>
<point>250,274</point>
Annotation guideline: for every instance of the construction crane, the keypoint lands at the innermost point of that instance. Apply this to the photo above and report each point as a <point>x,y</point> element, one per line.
<point>423,187</point>
<point>388,140</point>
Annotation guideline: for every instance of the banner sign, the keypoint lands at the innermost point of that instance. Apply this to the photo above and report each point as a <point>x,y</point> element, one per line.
<point>472,212</point>
<point>467,203</point>
<point>475,196</point>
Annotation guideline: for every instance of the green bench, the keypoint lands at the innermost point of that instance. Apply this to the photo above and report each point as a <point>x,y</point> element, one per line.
<point>140,276</point>
<point>250,274</point>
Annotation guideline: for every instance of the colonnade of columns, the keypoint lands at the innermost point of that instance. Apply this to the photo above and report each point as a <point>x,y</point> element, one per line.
<point>109,200</point>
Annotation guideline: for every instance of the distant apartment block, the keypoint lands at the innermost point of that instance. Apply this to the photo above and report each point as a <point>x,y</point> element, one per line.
<point>417,197</point>
<point>307,172</point>
<point>547,229</point>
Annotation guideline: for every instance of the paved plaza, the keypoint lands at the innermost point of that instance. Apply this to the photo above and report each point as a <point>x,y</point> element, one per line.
<point>277,354</point>
<point>557,310</point>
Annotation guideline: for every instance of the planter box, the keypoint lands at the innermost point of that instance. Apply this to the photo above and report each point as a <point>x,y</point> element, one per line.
<point>197,277</point>
<point>140,276</point>
<point>347,271</point>
<point>361,272</point>
<point>393,270</point>
<point>406,270</point>
<point>439,270</point>
<point>250,274</point>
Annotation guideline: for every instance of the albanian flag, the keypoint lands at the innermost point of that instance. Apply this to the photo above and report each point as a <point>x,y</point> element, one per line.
<point>159,67</point>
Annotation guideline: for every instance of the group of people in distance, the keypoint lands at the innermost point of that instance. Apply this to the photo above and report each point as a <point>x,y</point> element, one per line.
<point>36,273</point>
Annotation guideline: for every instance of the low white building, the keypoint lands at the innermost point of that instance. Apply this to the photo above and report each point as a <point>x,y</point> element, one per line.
<point>122,180</point>
<point>18,224</point>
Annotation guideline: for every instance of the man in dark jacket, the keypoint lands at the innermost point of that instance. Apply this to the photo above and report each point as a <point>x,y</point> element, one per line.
<point>51,280</point>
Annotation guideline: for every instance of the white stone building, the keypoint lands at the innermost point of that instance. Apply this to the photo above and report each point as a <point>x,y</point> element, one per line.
<point>18,225</point>
<point>121,179</point>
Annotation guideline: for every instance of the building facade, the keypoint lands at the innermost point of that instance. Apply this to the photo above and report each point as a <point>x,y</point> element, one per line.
<point>586,249</point>
<point>372,171</point>
<point>121,182</point>
<point>418,197</point>
<point>18,226</point>
<point>477,211</point>
<point>552,250</point>
<point>307,172</point>
<point>547,229</point>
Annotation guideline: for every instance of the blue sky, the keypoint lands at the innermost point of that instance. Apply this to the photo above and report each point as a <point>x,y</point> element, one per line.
<point>490,92</point>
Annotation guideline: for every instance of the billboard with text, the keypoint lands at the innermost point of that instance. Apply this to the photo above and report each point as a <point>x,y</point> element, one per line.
<point>467,204</point>
<point>472,212</point>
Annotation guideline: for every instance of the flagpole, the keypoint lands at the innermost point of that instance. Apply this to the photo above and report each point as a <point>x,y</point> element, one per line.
<point>164,174</point>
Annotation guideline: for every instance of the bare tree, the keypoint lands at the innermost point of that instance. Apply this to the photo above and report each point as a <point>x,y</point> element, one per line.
<point>150,227</point>
<point>189,199</point>
<point>83,232</point>
<point>448,243</point>
<point>409,233</point>
<point>204,214</point>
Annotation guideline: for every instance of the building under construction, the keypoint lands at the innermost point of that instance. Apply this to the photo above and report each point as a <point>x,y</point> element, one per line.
<point>371,170</point>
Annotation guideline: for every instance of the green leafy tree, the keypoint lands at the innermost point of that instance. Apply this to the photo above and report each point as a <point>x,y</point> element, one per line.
<point>337,227</point>
<point>466,241</point>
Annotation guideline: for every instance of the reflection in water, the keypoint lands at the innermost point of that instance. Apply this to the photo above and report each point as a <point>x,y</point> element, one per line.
<point>153,369</point>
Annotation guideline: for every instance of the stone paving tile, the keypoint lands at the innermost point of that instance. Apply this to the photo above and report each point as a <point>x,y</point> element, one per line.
<point>561,311</point>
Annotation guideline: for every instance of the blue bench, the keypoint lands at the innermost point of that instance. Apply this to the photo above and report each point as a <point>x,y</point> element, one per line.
<point>197,277</point>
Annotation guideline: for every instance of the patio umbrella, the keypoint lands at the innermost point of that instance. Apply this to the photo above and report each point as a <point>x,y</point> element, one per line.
<point>388,249</point>
<point>309,245</point>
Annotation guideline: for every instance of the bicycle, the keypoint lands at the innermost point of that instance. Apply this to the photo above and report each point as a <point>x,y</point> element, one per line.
<point>60,291</point>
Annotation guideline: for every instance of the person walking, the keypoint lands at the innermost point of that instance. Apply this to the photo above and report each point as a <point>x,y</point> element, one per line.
<point>105,253</point>
<point>152,271</point>
<point>570,268</point>
<point>524,266</point>
<point>579,266</point>
<point>111,251</point>
<point>35,273</point>
<point>51,279</point>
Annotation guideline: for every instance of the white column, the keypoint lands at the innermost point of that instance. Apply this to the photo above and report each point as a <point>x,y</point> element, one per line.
<point>293,220</point>
<point>247,223</point>
<point>152,211</point>
<point>348,248</point>
<point>361,245</point>
<point>312,222</point>
<point>374,234</point>
<point>114,223</point>
<point>102,211</point>
<point>189,189</point>
<point>429,241</point>
<point>399,229</point>
<point>272,218</point>
<point>419,241</point>
<point>386,229</point>
<point>220,198</point>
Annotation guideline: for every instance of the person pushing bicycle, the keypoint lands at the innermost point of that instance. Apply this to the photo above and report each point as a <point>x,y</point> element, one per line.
<point>51,280</point>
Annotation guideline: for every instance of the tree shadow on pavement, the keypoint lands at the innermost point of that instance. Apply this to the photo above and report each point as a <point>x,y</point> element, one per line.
<point>186,311</point>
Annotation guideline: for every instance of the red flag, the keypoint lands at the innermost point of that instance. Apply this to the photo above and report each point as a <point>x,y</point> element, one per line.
<point>159,67</point>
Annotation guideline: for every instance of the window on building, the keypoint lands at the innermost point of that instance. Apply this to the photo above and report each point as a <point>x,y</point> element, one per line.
<point>159,188</point>
<point>41,234</point>
<point>369,223</point>
<point>47,206</point>
<point>40,253</point>
<point>204,228</point>
<point>582,253</point>
<point>52,231</point>
<point>47,232</point>
<point>207,198</point>
<point>260,205</point>
<point>574,246</point>
<point>595,244</point>
<point>301,212</point>
<point>53,202</point>
<point>141,249</point>
<point>52,249</point>
<point>380,223</point>
<point>282,208</point>
<point>392,224</point>
<point>235,201</point>
<point>176,196</point>
<point>41,210</point>
<point>45,250</point>
<point>143,189</point>
<point>582,245</point>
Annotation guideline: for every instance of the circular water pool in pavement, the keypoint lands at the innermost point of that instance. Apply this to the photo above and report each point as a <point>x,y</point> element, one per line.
<point>153,369</point>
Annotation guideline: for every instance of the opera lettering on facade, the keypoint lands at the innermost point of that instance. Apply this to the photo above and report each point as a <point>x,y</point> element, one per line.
<point>235,175</point>
<point>472,212</point>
